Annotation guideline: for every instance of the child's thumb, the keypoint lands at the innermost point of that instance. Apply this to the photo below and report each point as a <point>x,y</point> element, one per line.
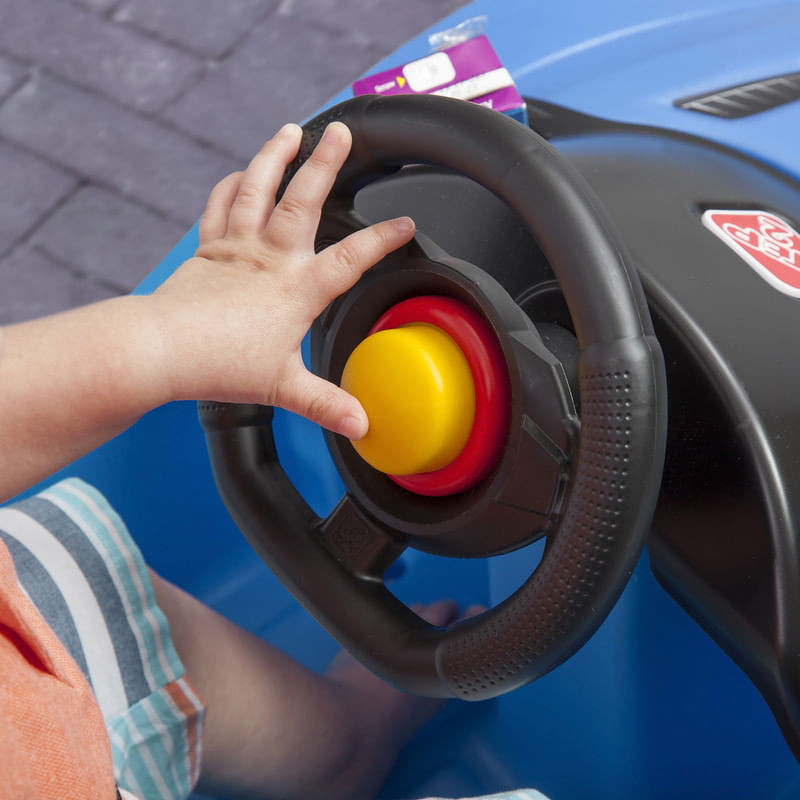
<point>325,404</point>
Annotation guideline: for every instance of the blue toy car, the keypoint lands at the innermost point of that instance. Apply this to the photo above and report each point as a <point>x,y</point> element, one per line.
<point>636,260</point>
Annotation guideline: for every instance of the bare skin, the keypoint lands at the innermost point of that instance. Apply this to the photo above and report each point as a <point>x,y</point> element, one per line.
<point>228,326</point>
<point>274,729</point>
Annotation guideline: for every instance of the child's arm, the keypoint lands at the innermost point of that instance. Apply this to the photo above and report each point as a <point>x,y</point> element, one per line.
<point>227,325</point>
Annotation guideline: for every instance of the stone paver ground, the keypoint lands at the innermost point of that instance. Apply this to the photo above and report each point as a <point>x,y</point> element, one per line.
<point>118,116</point>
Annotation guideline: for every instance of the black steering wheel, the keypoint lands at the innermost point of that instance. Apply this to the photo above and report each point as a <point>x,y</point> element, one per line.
<point>587,481</point>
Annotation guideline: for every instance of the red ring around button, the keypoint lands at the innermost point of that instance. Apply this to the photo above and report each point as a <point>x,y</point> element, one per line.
<point>492,391</point>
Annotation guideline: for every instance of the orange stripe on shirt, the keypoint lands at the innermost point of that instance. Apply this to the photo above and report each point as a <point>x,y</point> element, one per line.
<point>193,714</point>
<point>53,739</point>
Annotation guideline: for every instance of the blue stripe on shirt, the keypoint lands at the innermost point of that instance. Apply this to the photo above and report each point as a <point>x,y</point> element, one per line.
<point>47,597</point>
<point>96,573</point>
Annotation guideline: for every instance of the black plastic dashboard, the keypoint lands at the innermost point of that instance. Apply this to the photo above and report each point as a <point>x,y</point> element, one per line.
<point>724,540</point>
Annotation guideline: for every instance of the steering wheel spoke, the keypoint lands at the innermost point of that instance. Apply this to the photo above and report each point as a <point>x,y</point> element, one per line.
<point>360,545</point>
<point>339,220</point>
<point>549,431</point>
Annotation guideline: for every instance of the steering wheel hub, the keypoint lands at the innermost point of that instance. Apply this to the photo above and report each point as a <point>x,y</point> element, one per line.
<point>462,418</point>
<point>416,387</point>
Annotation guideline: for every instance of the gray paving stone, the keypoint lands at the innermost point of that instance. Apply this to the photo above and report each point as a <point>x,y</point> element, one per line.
<point>29,189</point>
<point>99,233</point>
<point>283,71</point>
<point>96,53</point>
<point>135,155</point>
<point>208,27</point>
<point>33,286</point>
<point>278,60</point>
<point>385,25</point>
<point>11,76</point>
<point>96,5</point>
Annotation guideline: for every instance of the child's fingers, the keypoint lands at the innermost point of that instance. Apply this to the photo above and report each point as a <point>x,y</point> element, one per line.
<point>255,199</point>
<point>214,222</point>
<point>339,266</point>
<point>293,225</point>
<point>323,403</point>
<point>440,613</point>
<point>473,610</point>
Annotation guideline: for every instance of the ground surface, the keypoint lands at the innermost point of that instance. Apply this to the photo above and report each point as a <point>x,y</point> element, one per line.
<point>118,116</point>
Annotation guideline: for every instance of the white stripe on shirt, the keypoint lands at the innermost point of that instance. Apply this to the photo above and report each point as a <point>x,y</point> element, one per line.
<point>101,659</point>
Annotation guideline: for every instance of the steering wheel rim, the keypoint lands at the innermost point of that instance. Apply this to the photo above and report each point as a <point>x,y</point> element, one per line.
<point>334,566</point>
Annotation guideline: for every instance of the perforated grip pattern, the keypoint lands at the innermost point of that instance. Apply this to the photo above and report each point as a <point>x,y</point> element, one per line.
<point>597,542</point>
<point>312,133</point>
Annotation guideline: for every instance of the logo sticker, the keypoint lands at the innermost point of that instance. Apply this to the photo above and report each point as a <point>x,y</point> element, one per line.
<point>766,242</point>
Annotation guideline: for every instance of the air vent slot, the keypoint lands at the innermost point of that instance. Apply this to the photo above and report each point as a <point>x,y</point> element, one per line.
<point>747,98</point>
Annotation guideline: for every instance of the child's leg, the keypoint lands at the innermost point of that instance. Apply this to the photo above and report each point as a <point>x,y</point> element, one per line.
<point>274,729</point>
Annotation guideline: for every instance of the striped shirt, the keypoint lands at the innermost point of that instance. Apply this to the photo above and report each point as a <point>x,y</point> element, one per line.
<point>77,563</point>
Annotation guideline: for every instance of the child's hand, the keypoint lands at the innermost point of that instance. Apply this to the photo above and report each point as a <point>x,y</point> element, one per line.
<point>235,315</point>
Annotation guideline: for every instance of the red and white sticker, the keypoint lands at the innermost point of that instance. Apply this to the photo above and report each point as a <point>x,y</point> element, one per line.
<point>767,243</point>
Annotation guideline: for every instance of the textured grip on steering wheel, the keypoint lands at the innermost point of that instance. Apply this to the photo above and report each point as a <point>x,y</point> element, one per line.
<point>312,134</point>
<point>523,638</point>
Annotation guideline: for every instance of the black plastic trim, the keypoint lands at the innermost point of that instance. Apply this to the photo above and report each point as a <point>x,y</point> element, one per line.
<point>745,99</point>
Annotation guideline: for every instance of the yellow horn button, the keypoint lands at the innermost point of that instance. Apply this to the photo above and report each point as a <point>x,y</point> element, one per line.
<point>416,386</point>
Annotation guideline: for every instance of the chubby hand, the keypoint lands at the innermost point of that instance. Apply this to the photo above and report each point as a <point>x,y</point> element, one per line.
<point>235,315</point>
